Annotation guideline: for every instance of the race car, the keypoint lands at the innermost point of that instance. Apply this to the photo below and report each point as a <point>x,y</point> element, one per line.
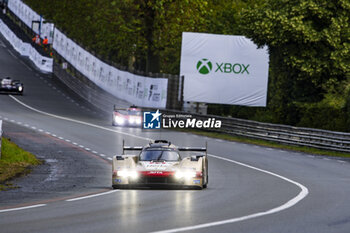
<point>127,117</point>
<point>7,85</point>
<point>161,163</point>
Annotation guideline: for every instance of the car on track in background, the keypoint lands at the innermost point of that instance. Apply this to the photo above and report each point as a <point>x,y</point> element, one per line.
<point>127,117</point>
<point>7,85</point>
<point>161,163</point>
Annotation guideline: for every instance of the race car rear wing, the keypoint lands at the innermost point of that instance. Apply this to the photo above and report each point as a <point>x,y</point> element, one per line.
<point>131,148</point>
<point>194,149</point>
<point>126,108</point>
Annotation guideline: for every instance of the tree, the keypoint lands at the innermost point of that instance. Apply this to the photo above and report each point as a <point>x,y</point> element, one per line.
<point>309,43</point>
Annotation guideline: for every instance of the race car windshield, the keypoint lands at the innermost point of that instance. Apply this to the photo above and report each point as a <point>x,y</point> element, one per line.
<point>159,155</point>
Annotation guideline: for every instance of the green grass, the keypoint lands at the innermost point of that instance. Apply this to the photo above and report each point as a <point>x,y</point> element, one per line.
<point>14,162</point>
<point>304,149</point>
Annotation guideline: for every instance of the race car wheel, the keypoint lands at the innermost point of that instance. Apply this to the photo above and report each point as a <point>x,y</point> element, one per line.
<point>206,180</point>
<point>205,184</point>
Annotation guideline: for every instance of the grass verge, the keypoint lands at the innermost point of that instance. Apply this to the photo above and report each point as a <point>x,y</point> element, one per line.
<point>304,149</point>
<point>14,162</point>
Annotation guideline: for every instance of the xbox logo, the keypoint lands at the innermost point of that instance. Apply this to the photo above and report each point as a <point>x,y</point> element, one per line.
<point>204,66</point>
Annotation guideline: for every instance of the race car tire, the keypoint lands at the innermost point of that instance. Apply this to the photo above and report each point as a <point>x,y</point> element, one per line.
<point>205,185</point>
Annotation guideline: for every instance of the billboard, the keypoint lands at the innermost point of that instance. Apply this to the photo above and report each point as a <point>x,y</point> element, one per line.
<point>223,69</point>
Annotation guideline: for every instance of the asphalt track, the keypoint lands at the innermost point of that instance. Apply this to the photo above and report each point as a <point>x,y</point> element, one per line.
<point>251,188</point>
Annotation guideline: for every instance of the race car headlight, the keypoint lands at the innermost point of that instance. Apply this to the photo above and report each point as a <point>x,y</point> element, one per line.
<point>138,121</point>
<point>119,120</point>
<point>131,120</point>
<point>126,173</point>
<point>185,174</point>
<point>20,88</point>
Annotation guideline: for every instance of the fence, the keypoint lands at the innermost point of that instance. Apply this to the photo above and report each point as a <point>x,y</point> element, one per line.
<point>298,136</point>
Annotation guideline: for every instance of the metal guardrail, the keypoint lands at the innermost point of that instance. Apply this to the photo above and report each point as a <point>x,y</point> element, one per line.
<point>299,136</point>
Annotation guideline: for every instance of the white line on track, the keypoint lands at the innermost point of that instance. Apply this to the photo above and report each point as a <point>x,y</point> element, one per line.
<point>26,65</point>
<point>77,121</point>
<point>303,193</point>
<point>90,196</point>
<point>2,44</point>
<point>22,208</point>
<point>12,54</point>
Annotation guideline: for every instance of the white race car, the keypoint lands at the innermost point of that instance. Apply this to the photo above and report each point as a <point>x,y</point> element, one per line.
<point>160,163</point>
<point>127,117</point>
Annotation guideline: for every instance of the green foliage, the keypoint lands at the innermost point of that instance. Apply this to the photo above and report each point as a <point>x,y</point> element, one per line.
<point>11,153</point>
<point>13,163</point>
<point>309,44</point>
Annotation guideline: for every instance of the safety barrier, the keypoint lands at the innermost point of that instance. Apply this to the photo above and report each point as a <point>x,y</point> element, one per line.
<point>298,136</point>
<point>26,49</point>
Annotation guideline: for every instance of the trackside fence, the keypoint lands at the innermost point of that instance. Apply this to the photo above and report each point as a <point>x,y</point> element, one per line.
<point>298,136</point>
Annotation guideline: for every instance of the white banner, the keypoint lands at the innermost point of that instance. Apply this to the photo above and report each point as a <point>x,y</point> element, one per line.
<point>136,89</point>
<point>223,69</point>
<point>27,15</point>
<point>26,49</point>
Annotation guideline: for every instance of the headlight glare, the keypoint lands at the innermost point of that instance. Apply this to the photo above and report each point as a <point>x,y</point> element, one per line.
<point>119,120</point>
<point>185,174</point>
<point>126,173</point>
